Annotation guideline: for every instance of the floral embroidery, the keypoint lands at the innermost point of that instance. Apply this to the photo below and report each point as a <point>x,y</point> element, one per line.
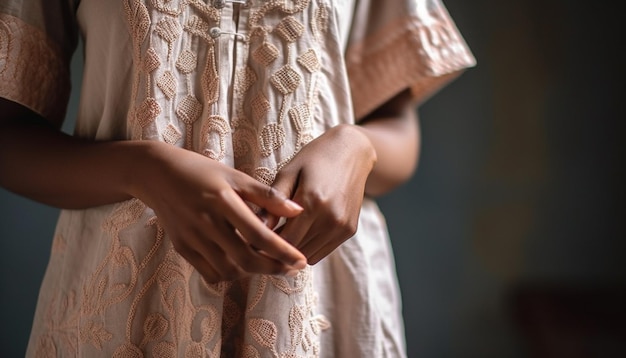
<point>251,100</point>
<point>167,309</point>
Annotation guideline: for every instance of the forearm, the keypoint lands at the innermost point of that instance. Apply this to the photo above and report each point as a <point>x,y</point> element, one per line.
<point>48,166</point>
<point>396,139</point>
<point>200,203</point>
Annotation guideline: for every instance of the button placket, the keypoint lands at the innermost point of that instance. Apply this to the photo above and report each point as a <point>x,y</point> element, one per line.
<point>216,32</point>
<point>227,51</point>
<point>233,52</point>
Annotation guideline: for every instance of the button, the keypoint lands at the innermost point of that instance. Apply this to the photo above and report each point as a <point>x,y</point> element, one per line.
<point>215,32</point>
<point>219,4</point>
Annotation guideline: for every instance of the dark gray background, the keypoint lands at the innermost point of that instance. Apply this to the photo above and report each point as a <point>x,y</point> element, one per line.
<point>510,237</point>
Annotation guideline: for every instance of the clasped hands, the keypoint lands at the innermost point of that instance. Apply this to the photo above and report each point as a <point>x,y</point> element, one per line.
<point>319,192</point>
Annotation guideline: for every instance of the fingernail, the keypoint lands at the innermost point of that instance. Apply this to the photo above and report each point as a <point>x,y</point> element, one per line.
<point>292,273</point>
<point>293,205</point>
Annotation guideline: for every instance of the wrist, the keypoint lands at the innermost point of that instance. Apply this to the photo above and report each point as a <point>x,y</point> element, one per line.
<point>359,139</point>
<point>141,166</point>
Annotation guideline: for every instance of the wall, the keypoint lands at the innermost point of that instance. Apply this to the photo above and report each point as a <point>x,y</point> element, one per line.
<point>510,237</point>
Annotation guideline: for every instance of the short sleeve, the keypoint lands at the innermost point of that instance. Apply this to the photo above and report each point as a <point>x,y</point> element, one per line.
<point>402,44</point>
<point>37,40</point>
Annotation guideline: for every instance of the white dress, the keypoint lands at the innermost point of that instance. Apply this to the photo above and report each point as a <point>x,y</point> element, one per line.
<point>245,84</point>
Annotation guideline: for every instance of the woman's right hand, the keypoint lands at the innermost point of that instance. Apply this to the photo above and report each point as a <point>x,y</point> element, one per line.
<point>198,201</point>
<point>201,205</point>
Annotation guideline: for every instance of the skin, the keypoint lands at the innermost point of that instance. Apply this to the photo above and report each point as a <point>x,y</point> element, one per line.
<point>205,216</point>
<point>331,175</point>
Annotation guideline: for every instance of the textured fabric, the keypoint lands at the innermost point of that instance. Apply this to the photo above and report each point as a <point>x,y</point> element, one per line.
<point>158,70</point>
<point>35,54</point>
<point>395,45</point>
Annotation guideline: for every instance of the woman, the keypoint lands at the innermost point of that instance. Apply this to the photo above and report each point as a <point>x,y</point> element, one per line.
<point>216,190</point>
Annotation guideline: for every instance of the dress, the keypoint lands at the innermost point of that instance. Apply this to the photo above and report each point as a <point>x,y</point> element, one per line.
<point>247,84</point>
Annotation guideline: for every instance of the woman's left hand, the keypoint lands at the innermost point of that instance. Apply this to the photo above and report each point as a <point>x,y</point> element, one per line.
<point>327,178</point>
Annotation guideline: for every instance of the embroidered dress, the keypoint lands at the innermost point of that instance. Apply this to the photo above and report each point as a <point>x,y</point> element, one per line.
<point>247,83</point>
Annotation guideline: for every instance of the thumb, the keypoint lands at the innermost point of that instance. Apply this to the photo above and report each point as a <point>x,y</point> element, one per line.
<point>284,184</point>
<point>271,200</point>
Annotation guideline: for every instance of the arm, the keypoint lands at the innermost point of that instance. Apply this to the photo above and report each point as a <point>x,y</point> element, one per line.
<point>199,202</point>
<point>393,130</point>
<point>41,163</point>
<point>330,175</point>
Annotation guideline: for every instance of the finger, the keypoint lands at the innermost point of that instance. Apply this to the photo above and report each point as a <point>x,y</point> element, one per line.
<point>200,264</point>
<point>272,200</point>
<point>320,255</point>
<point>214,256</point>
<point>316,250</point>
<point>269,220</point>
<point>313,245</point>
<point>321,245</point>
<point>258,235</point>
<point>208,272</point>
<point>286,182</point>
<point>297,230</point>
<point>246,257</point>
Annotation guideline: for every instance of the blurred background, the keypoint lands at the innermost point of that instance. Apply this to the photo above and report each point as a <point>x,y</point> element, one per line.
<point>510,240</point>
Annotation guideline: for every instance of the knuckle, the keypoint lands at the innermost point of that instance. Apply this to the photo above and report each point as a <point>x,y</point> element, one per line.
<point>274,194</point>
<point>352,228</point>
<point>316,199</point>
<point>223,194</point>
<point>346,226</point>
<point>310,202</point>
<point>351,231</point>
<point>271,193</point>
<point>207,220</point>
<point>338,222</point>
